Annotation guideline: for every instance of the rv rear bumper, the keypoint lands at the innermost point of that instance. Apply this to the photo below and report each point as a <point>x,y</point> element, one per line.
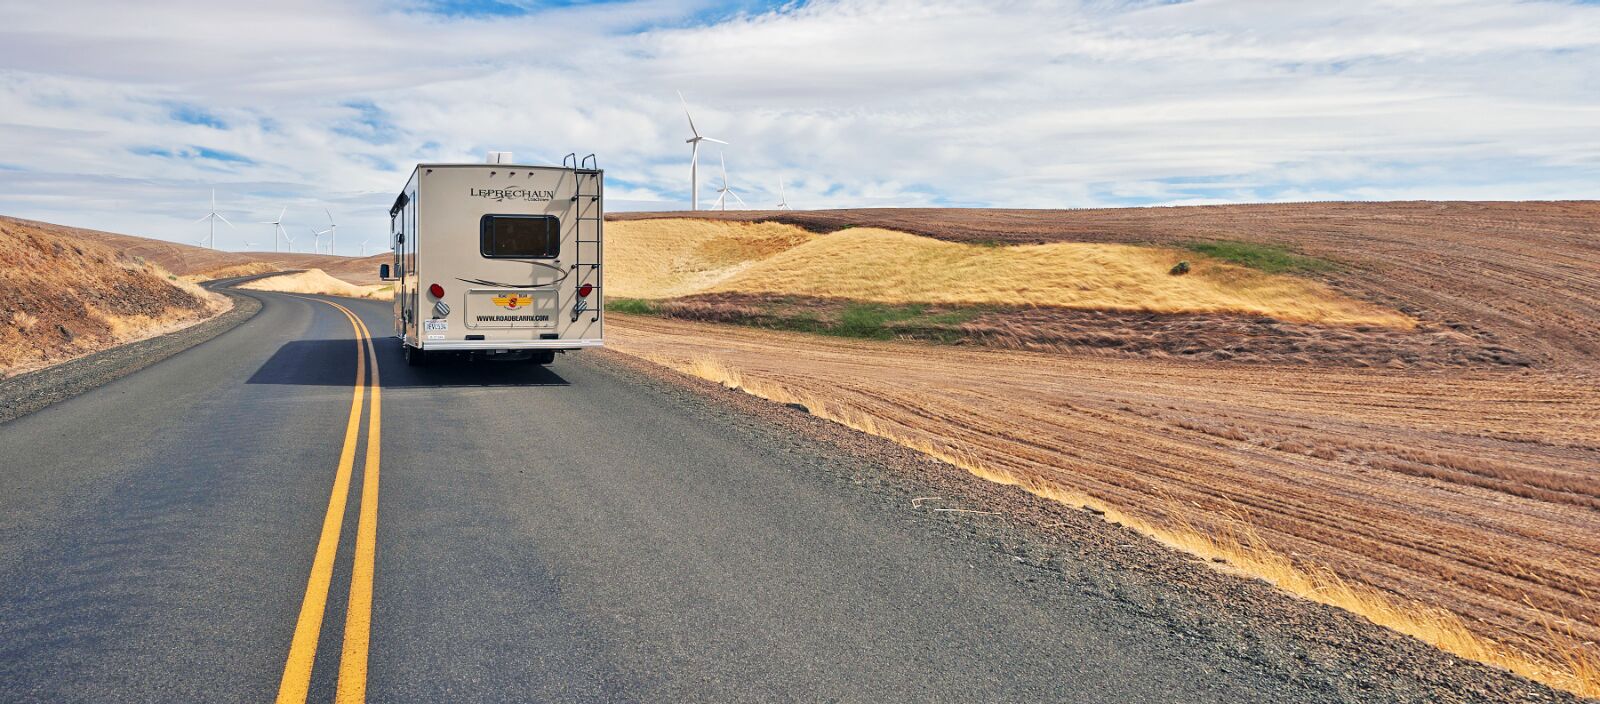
<point>471,345</point>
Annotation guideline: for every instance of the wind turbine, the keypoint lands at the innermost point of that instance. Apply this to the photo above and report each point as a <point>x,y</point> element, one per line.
<point>725,191</point>
<point>694,155</point>
<point>316,239</point>
<point>278,229</point>
<point>783,200</point>
<point>213,216</point>
<point>290,240</point>
<point>364,246</point>
<point>333,232</point>
<point>251,244</point>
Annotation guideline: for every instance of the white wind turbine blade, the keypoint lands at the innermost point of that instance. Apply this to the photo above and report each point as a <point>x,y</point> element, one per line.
<point>741,200</point>
<point>713,141</point>
<point>281,212</point>
<point>686,114</point>
<point>724,160</point>
<point>330,217</point>
<point>203,218</point>
<point>219,217</point>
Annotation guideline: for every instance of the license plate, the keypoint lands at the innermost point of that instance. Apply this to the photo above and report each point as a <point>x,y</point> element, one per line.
<point>436,325</point>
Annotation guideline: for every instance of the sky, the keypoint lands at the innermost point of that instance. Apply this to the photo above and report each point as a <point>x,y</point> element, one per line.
<point>124,116</point>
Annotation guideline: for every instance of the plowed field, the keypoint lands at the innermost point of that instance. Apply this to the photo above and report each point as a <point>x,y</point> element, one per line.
<point>1475,488</point>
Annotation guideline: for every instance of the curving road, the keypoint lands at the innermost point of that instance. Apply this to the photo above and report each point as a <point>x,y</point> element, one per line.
<point>221,526</point>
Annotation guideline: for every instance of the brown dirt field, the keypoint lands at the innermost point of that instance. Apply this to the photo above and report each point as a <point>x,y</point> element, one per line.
<point>1525,275</point>
<point>1473,491</point>
<point>188,260</point>
<point>62,297</point>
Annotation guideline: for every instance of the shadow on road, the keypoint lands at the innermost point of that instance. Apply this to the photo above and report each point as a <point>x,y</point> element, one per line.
<point>333,363</point>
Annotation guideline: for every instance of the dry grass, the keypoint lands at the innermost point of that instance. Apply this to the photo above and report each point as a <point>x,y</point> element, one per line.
<point>666,258</point>
<point>62,298</point>
<point>232,270</point>
<point>1525,274</point>
<point>1566,661</point>
<point>319,282</point>
<point>656,259</point>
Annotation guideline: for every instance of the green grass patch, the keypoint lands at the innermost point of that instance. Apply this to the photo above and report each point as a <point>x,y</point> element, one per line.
<point>873,320</point>
<point>1264,257</point>
<point>635,306</point>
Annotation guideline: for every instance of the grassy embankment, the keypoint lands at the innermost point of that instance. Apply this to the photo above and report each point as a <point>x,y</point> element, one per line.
<point>879,284</point>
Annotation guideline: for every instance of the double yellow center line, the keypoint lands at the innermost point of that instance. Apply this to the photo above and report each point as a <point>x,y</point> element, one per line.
<point>352,685</point>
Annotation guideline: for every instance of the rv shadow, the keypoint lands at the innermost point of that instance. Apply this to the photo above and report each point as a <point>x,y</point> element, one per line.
<point>333,363</point>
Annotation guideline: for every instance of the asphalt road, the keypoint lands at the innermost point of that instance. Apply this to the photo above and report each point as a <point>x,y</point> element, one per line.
<point>552,535</point>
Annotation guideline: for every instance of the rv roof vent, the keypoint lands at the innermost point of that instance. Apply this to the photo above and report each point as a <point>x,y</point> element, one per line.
<point>500,157</point>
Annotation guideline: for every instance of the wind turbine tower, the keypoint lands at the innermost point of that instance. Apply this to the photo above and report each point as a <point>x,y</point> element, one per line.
<point>694,155</point>
<point>783,200</point>
<point>213,216</point>
<point>725,191</point>
<point>277,230</point>
<point>333,232</point>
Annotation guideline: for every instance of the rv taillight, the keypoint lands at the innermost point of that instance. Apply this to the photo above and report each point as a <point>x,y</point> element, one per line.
<point>585,290</point>
<point>436,290</point>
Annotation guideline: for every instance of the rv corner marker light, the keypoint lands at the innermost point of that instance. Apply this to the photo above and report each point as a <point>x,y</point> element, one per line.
<point>585,290</point>
<point>436,290</point>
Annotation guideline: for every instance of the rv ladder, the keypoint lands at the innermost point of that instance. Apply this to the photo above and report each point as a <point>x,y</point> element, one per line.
<point>589,224</point>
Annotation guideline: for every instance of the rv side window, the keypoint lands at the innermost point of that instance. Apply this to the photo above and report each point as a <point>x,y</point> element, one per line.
<point>520,236</point>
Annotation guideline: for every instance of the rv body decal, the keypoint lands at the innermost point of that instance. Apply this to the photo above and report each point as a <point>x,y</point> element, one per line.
<point>505,194</point>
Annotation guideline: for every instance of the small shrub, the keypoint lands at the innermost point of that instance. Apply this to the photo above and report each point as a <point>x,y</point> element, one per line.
<point>635,306</point>
<point>1179,269</point>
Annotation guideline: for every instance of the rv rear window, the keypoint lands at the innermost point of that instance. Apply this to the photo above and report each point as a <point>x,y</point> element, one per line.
<point>520,236</point>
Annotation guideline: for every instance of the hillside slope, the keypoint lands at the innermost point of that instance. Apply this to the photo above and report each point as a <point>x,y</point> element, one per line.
<point>1524,275</point>
<point>188,260</point>
<point>63,297</point>
<point>674,257</point>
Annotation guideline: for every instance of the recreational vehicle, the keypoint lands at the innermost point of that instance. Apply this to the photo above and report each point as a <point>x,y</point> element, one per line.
<point>498,260</point>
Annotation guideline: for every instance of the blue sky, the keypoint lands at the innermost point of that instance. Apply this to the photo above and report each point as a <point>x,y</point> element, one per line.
<point>122,117</point>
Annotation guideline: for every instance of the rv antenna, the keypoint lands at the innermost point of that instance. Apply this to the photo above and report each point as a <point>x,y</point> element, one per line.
<point>333,232</point>
<point>694,155</point>
<point>725,191</point>
<point>213,216</point>
<point>278,229</point>
<point>783,200</point>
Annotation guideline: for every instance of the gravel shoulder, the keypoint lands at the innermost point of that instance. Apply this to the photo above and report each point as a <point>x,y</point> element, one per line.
<point>26,393</point>
<point>1286,641</point>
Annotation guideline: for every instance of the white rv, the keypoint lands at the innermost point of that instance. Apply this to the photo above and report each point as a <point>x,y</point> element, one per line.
<point>498,260</point>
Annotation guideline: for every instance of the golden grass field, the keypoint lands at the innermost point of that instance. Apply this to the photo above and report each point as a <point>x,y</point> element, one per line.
<point>655,259</point>
<point>319,282</point>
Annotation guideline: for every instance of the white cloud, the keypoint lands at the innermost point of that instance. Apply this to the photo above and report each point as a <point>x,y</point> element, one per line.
<point>855,102</point>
